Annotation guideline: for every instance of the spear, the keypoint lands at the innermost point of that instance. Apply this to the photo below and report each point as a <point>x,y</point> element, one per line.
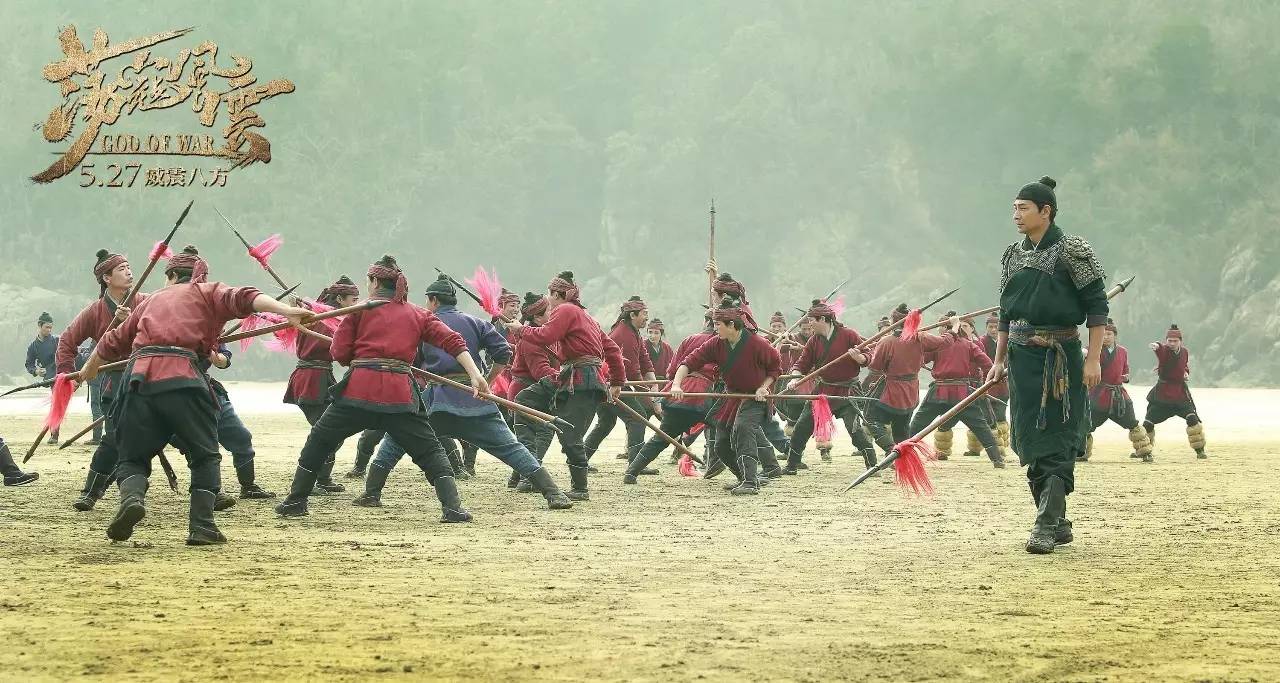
<point>240,323</point>
<point>156,253</point>
<point>955,410</point>
<point>866,343</point>
<point>785,397</point>
<point>467,291</point>
<point>335,313</point>
<point>711,274</point>
<point>249,248</point>
<point>680,447</point>
<point>787,335</point>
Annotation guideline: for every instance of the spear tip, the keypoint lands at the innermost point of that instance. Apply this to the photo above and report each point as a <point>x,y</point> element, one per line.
<point>1125,284</point>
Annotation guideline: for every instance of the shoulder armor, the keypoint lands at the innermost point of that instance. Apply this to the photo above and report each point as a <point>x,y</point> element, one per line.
<point>1081,262</point>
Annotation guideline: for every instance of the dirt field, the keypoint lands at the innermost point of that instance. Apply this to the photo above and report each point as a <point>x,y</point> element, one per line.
<point>1174,574</point>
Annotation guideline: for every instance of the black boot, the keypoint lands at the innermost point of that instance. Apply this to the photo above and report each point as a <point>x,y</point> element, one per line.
<point>255,492</point>
<point>824,454</point>
<point>222,501</point>
<point>450,501</point>
<point>750,484</point>
<point>324,480</point>
<point>249,488</point>
<point>469,459</point>
<point>95,484</point>
<point>514,480</point>
<point>1052,508</point>
<point>541,480</point>
<point>295,504</point>
<point>200,527</point>
<point>373,483</point>
<point>133,493</point>
<point>793,462</point>
<point>13,475</point>
<point>578,478</point>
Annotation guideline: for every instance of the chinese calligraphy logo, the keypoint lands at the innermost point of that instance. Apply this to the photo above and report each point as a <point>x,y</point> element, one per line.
<point>146,81</point>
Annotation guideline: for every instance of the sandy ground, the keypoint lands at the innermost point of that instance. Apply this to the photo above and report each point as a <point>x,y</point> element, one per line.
<point>1174,574</point>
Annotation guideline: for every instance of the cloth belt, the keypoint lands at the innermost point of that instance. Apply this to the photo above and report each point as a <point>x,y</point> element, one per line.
<point>314,365</point>
<point>1054,380</point>
<point>383,365</point>
<point>569,365</point>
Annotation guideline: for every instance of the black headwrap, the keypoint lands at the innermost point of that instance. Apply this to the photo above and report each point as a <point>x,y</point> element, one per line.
<point>1041,192</point>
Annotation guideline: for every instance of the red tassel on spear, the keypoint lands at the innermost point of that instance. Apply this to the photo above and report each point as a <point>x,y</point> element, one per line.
<point>262,253</point>
<point>488,288</point>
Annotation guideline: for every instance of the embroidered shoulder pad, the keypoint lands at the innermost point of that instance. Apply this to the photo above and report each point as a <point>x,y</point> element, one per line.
<point>1082,263</point>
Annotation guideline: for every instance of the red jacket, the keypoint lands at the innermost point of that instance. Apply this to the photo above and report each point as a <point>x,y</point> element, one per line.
<point>310,385</point>
<point>90,323</point>
<point>579,337</point>
<point>700,379</point>
<point>533,363</point>
<point>660,357</point>
<point>1115,372</point>
<point>635,357</point>
<point>900,362</point>
<point>1001,389</point>
<point>820,350</point>
<point>391,331</point>
<point>185,316</point>
<point>955,366</point>
<point>1172,371</point>
<point>755,360</point>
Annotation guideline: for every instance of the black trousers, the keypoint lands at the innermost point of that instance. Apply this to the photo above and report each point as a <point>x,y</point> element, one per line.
<point>368,443</point>
<point>1159,411</point>
<point>1125,419</point>
<point>411,430</point>
<point>889,426</point>
<point>576,409</point>
<point>843,412</point>
<point>971,416</point>
<point>107,455</point>
<point>607,416</point>
<point>675,421</point>
<point>739,441</point>
<point>145,423</point>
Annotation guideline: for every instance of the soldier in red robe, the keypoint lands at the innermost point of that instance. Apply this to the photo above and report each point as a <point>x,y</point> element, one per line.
<point>999,394</point>
<point>1109,400</point>
<point>679,416</point>
<point>899,360</point>
<point>165,394</point>
<point>789,347</point>
<point>309,384</point>
<point>114,279</point>
<point>581,385</point>
<point>659,350</point>
<point>378,392</point>
<point>830,341</point>
<point>533,364</point>
<point>748,364</point>
<point>954,362</point>
<point>632,318</point>
<point>1171,397</point>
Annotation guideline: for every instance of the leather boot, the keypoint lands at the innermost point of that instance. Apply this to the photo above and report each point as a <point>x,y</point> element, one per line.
<point>222,501</point>
<point>1064,535</point>
<point>514,480</point>
<point>750,484</point>
<point>469,459</point>
<point>578,479</point>
<point>95,484</point>
<point>541,480</point>
<point>133,493</point>
<point>324,480</point>
<point>200,527</point>
<point>869,457</point>
<point>450,501</point>
<point>249,488</point>
<point>824,454</point>
<point>373,483</point>
<point>13,475</point>
<point>295,504</point>
<point>1052,507</point>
